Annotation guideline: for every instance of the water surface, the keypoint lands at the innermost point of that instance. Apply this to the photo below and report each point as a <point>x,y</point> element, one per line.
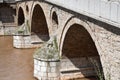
<point>15,64</point>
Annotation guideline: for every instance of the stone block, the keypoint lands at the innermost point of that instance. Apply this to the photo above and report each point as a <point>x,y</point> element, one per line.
<point>42,74</point>
<point>39,68</point>
<point>53,70</point>
<point>27,42</point>
<point>39,63</point>
<point>43,64</point>
<point>35,71</point>
<point>39,73</point>
<point>53,64</point>
<point>56,78</point>
<point>35,66</point>
<point>16,37</point>
<point>48,69</point>
<point>44,78</point>
<point>43,69</point>
<point>52,75</point>
<point>35,62</point>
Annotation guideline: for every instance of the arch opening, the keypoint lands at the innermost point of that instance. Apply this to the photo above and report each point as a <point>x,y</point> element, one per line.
<point>54,21</point>
<point>9,16</point>
<point>21,17</point>
<point>54,18</point>
<point>27,8</point>
<point>79,54</point>
<point>39,25</point>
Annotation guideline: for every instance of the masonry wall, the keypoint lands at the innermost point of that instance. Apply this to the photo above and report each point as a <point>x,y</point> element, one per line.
<point>108,38</point>
<point>47,70</point>
<point>105,37</point>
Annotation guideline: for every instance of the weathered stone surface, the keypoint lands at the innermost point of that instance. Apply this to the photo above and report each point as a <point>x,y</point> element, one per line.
<point>105,37</point>
<point>44,70</point>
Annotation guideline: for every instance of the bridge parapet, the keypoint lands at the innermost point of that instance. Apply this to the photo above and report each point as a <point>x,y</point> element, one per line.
<point>104,10</point>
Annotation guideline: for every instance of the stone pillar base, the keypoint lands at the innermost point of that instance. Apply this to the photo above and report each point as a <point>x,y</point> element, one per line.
<point>47,69</point>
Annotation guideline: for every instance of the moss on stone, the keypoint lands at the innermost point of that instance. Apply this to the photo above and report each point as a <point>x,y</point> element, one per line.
<point>48,51</point>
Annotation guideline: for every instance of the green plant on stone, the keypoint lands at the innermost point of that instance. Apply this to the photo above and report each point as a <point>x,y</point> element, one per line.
<point>97,68</point>
<point>24,29</point>
<point>20,31</point>
<point>28,27</point>
<point>48,51</point>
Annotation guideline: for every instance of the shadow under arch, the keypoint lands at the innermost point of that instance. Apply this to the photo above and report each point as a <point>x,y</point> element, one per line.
<point>55,22</point>
<point>55,18</point>
<point>21,17</point>
<point>39,25</point>
<point>79,53</point>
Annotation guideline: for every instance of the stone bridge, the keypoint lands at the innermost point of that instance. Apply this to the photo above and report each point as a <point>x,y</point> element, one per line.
<point>85,29</point>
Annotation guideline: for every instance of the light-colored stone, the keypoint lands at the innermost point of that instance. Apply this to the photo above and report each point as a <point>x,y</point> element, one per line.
<point>97,14</point>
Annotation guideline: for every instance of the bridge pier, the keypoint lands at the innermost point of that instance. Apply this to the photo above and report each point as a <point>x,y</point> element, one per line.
<point>47,61</point>
<point>47,69</point>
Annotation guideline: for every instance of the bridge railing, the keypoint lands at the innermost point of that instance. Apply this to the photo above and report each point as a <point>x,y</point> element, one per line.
<point>103,10</point>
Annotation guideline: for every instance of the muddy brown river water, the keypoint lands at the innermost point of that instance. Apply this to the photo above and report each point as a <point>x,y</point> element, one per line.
<point>17,64</point>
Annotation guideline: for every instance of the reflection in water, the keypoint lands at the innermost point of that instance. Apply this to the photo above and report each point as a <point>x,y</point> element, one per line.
<point>15,64</point>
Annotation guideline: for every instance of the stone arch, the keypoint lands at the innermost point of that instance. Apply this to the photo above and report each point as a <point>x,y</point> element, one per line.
<point>72,20</point>
<point>38,24</point>
<point>77,37</point>
<point>21,17</point>
<point>78,49</point>
<point>54,17</point>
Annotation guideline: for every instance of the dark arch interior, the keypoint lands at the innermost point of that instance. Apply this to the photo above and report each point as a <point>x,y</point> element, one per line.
<point>55,18</point>
<point>7,14</point>
<point>79,48</point>
<point>39,25</point>
<point>27,9</point>
<point>21,18</point>
<point>78,43</point>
